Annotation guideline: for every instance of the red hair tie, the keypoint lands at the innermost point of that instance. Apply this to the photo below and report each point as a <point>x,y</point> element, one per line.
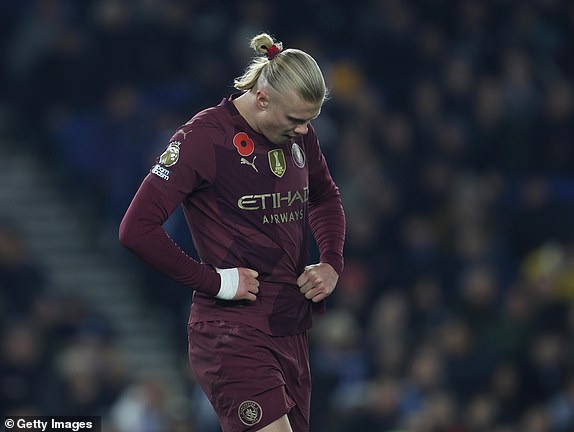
<point>272,51</point>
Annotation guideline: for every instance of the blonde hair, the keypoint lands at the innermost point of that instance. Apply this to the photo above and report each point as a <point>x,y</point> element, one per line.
<point>286,71</point>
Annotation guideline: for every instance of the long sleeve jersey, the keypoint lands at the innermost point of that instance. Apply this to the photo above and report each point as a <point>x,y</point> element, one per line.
<point>248,203</point>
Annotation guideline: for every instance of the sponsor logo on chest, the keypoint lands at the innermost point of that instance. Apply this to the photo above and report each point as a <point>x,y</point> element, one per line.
<point>278,207</point>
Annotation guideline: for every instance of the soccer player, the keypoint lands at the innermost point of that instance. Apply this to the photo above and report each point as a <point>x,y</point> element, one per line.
<point>253,183</point>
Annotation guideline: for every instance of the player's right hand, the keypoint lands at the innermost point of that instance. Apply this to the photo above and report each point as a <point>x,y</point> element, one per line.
<point>248,284</point>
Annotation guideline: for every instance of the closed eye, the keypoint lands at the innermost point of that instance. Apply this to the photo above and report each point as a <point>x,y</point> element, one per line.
<point>296,120</point>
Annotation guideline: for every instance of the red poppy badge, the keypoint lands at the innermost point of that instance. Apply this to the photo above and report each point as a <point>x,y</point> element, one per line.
<point>244,145</point>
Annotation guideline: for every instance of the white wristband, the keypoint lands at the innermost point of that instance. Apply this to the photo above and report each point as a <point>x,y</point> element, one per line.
<point>229,283</point>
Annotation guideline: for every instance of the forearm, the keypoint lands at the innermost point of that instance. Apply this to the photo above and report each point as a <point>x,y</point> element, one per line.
<point>141,231</point>
<point>327,222</point>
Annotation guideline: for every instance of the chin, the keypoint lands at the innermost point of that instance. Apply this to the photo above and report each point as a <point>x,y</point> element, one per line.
<point>281,139</point>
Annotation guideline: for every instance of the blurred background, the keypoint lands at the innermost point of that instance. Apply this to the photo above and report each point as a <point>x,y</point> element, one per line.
<point>449,132</point>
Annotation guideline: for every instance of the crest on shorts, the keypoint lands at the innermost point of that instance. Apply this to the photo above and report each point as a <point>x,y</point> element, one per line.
<point>277,162</point>
<point>250,412</point>
<point>171,154</point>
<point>298,155</point>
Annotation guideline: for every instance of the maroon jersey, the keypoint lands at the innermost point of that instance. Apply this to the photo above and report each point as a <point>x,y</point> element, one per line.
<point>248,203</point>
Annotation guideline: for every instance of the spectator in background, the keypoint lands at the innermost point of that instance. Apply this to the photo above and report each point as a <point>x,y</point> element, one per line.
<point>19,272</point>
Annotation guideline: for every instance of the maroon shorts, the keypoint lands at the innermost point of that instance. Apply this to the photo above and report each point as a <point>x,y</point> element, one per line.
<point>251,378</point>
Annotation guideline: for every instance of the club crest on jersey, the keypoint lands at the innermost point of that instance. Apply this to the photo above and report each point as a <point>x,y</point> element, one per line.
<point>298,155</point>
<point>244,145</point>
<point>277,162</point>
<point>250,412</point>
<point>171,154</point>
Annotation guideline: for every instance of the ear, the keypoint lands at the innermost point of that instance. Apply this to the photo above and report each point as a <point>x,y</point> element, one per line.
<point>262,99</point>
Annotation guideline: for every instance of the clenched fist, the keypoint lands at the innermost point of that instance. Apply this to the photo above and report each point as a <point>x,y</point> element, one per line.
<point>317,281</point>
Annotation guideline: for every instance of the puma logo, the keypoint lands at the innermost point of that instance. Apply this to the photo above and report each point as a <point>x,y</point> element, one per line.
<point>184,133</point>
<point>251,164</point>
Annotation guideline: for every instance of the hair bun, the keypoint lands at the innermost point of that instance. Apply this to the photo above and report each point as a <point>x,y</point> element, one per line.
<point>264,44</point>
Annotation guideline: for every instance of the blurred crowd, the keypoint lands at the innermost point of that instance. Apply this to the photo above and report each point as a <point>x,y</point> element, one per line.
<point>59,356</point>
<point>450,133</point>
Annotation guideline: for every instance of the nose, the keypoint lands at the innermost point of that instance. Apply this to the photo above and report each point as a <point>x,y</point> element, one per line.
<point>302,129</point>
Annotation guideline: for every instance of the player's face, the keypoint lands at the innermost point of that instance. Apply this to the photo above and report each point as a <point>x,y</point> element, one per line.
<point>287,116</point>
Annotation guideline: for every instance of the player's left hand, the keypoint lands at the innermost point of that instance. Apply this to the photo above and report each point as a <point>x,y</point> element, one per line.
<point>317,281</point>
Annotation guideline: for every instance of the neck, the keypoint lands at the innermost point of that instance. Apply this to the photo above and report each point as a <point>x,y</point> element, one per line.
<point>245,104</point>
